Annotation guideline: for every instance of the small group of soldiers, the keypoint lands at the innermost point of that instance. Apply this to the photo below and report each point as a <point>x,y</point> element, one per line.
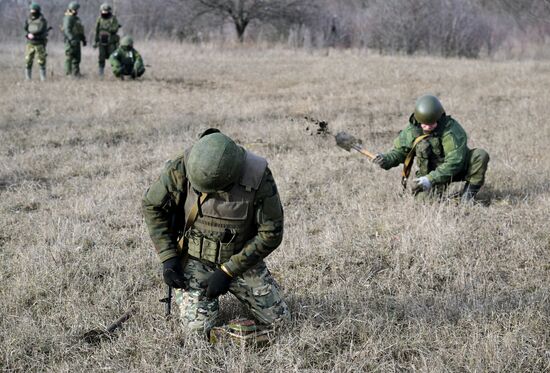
<point>124,59</point>
<point>214,213</point>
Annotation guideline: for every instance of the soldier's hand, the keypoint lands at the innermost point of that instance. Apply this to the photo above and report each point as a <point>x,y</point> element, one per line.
<point>172,272</point>
<point>422,184</point>
<point>379,160</point>
<point>218,284</point>
<point>94,45</point>
<point>84,43</point>
<point>30,36</point>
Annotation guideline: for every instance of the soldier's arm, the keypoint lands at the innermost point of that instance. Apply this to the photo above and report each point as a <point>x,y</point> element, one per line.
<point>26,27</point>
<point>68,23</point>
<point>455,151</point>
<point>96,36</point>
<point>115,62</point>
<point>269,221</point>
<point>401,147</point>
<point>159,209</point>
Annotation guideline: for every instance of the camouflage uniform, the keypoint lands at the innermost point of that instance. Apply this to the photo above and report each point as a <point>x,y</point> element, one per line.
<point>106,38</point>
<point>127,62</point>
<point>237,228</point>
<point>73,31</point>
<point>36,46</point>
<point>443,156</point>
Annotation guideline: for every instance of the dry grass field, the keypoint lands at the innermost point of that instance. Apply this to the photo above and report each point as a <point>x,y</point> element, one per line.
<point>375,281</point>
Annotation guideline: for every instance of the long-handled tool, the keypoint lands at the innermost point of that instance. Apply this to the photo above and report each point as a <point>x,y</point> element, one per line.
<point>94,336</point>
<point>348,142</point>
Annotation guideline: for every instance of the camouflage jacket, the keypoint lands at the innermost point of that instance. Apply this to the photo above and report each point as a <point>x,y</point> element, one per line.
<point>441,156</point>
<point>38,28</point>
<point>163,206</point>
<point>126,61</point>
<point>106,30</point>
<point>73,30</point>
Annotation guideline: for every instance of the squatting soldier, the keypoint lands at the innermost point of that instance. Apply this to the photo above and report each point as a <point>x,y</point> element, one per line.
<point>442,155</point>
<point>73,31</point>
<point>106,38</point>
<point>227,199</point>
<point>126,60</point>
<point>36,28</point>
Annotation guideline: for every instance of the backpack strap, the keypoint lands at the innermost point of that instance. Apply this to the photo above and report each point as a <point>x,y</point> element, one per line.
<point>407,165</point>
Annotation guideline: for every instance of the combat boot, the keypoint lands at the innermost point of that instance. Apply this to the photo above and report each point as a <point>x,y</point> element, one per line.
<point>469,192</point>
<point>28,73</point>
<point>42,73</point>
<point>101,72</point>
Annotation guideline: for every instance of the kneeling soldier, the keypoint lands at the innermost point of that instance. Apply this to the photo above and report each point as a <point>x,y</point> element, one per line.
<point>439,144</point>
<point>214,214</point>
<point>125,60</point>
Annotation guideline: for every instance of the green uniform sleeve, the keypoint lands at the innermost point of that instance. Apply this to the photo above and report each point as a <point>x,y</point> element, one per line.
<point>96,37</point>
<point>114,60</point>
<point>68,24</point>
<point>138,62</point>
<point>26,27</point>
<point>455,149</point>
<point>160,208</point>
<point>269,221</point>
<point>401,147</point>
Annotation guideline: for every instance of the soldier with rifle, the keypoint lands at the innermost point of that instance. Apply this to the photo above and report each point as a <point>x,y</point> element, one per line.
<point>213,215</point>
<point>106,38</point>
<point>36,29</point>
<point>439,144</point>
<point>73,32</point>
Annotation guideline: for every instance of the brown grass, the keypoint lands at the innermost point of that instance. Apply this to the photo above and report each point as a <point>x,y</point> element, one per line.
<point>375,281</point>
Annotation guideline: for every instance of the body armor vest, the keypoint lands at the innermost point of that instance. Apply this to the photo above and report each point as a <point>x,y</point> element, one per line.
<point>227,220</point>
<point>107,30</point>
<point>37,27</point>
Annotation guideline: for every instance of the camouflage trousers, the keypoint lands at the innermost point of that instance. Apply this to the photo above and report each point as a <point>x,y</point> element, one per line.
<point>72,59</point>
<point>255,288</point>
<point>38,50</point>
<point>105,50</point>
<point>474,174</point>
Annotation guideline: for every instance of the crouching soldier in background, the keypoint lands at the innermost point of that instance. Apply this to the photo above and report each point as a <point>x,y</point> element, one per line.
<point>36,28</point>
<point>126,60</point>
<point>106,38</point>
<point>214,214</point>
<point>440,145</point>
<point>73,31</point>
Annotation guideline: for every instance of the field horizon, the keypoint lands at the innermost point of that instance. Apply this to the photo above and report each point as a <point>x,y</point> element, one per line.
<point>374,280</point>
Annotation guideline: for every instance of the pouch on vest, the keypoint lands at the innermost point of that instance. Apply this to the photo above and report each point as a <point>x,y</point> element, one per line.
<point>104,37</point>
<point>36,26</point>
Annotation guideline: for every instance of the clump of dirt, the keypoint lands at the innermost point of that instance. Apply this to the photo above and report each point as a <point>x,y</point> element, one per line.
<point>318,127</point>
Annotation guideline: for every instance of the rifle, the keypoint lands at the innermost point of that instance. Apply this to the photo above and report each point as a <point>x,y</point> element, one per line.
<point>95,336</point>
<point>167,301</point>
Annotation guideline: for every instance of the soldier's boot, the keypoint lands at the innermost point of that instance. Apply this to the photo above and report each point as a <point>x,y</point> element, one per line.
<point>68,68</point>
<point>101,72</point>
<point>469,192</point>
<point>42,73</point>
<point>28,73</point>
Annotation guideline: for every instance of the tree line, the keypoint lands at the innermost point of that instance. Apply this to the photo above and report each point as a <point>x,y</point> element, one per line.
<point>464,28</point>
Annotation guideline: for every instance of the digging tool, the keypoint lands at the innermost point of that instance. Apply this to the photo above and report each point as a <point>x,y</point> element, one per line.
<point>348,142</point>
<point>95,335</point>
<point>167,301</point>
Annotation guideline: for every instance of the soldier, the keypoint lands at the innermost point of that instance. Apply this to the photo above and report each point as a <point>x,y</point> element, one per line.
<point>126,60</point>
<point>73,31</point>
<point>440,146</point>
<point>36,28</point>
<point>227,200</point>
<point>106,38</point>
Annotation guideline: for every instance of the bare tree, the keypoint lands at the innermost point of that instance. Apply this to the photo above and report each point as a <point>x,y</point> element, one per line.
<point>243,12</point>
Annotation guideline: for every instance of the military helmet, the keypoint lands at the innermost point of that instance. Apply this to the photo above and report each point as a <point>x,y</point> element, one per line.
<point>214,163</point>
<point>34,7</point>
<point>73,5</point>
<point>105,8</point>
<point>127,41</point>
<point>428,109</point>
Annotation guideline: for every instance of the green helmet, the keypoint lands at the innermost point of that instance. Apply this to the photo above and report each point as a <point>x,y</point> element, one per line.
<point>428,109</point>
<point>34,7</point>
<point>73,5</point>
<point>214,163</point>
<point>106,8</point>
<point>127,41</point>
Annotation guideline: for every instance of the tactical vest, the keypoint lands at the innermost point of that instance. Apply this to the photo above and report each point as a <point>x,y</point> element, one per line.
<point>429,154</point>
<point>37,27</point>
<point>227,221</point>
<point>107,29</point>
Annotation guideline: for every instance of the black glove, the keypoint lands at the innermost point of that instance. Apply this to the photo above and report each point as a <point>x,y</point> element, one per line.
<point>173,273</point>
<point>379,160</point>
<point>83,43</point>
<point>218,284</point>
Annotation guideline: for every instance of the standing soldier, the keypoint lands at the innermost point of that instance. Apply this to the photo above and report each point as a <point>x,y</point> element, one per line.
<point>223,201</point>
<point>106,38</point>
<point>126,60</point>
<point>440,145</point>
<point>36,28</point>
<point>73,31</point>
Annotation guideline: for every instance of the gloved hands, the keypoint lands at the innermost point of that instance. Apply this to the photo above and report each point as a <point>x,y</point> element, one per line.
<point>30,36</point>
<point>84,43</point>
<point>421,184</point>
<point>379,160</point>
<point>218,284</point>
<point>172,272</point>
